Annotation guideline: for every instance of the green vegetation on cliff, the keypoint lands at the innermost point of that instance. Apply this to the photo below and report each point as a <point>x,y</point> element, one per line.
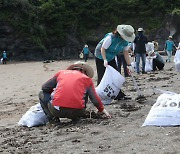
<point>46,21</point>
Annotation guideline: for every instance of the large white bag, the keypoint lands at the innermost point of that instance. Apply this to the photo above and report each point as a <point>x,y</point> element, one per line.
<point>148,65</point>
<point>177,60</point>
<point>110,85</point>
<point>165,112</point>
<point>35,116</point>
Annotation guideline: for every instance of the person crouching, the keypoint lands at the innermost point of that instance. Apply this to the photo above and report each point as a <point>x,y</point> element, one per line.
<point>158,62</point>
<point>65,95</point>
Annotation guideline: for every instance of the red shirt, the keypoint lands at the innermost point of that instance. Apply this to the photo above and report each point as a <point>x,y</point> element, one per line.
<point>71,88</point>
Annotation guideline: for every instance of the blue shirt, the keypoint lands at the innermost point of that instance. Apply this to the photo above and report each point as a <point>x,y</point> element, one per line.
<point>4,55</point>
<point>85,50</point>
<point>169,45</point>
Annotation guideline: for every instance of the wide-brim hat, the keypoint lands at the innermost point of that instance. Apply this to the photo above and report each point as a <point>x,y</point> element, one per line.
<point>140,29</point>
<point>126,32</point>
<point>89,70</point>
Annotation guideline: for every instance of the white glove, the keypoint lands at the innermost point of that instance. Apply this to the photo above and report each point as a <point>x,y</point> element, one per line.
<point>105,62</point>
<point>106,113</point>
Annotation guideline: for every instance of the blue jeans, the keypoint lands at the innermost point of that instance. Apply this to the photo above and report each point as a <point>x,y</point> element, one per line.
<point>143,58</point>
<point>169,53</point>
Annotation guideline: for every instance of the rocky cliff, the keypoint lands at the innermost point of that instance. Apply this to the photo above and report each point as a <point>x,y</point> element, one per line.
<point>21,48</point>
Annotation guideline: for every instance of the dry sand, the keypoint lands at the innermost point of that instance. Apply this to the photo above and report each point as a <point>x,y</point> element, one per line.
<point>123,134</point>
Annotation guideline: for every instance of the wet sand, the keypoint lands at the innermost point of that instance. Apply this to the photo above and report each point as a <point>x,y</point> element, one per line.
<point>20,84</point>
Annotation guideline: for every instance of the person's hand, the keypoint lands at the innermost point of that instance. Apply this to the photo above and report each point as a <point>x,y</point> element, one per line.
<point>105,62</point>
<point>106,113</point>
<point>129,69</point>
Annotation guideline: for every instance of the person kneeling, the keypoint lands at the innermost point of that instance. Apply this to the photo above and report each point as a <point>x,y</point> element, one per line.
<point>158,62</point>
<point>65,95</point>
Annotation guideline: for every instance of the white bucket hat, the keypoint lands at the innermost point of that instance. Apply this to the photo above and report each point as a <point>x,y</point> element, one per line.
<point>126,32</point>
<point>89,70</point>
<point>86,46</point>
<point>170,37</point>
<point>140,29</point>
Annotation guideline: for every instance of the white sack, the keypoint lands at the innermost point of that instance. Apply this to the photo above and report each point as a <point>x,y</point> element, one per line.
<point>110,85</point>
<point>148,65</point>
<point>177,60</point>
<point>165,112</point>
<point>35,116</point>
<point>133,64</point>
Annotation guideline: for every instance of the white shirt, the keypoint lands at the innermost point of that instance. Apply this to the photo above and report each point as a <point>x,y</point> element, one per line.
<point>107,42</point>
<point>149,47</point>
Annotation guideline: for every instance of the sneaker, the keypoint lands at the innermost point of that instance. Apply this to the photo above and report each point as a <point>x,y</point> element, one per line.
<point>143,72</point>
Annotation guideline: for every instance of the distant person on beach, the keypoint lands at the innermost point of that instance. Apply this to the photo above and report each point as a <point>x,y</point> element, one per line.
<point>86,52</point>
<point>169,44</point>
<point>140,50</point>
<point>4,57</point>
<point>65,95</point>
<point>157,60</point>
<point>111,45</point>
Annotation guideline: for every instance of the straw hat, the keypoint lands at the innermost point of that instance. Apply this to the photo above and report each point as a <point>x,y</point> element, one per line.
<point>126,32</point>
<point>89,70</point>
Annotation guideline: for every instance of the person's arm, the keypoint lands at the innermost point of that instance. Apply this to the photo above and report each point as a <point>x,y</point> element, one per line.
<point>127,58</point>
<point>96,100</point>
<point>49,85</point>
<point>165,46</point>
<point>103,53</point>
<point>105,45</point>
<point>174,45</point>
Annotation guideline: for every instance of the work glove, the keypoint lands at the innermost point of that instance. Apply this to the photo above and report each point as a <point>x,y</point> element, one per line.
<point>105,62</point>
<point>106,113</point>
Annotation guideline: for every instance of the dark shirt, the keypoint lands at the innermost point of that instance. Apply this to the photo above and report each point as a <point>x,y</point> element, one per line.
<point>140,41</point>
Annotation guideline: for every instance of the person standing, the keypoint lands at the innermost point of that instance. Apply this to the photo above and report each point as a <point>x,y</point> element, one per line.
<point>121,62</point>
<point>111,45</point>
<point>140,50</point>
<point>86,52</point>
<point>4,57</point>
<point>169,44</point>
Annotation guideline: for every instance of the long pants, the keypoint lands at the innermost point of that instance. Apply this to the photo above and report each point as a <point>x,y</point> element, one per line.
<point>143,58</point>
<point>51,112</point>
<point>101,70</point>
<point>169,53</point>
<point>86,56</point>
<point>157,65</point>
<point>4,60</point>
<point>122,62</point>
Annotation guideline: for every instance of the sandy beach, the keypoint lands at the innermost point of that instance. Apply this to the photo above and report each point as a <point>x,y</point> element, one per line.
<point>20,83</point>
